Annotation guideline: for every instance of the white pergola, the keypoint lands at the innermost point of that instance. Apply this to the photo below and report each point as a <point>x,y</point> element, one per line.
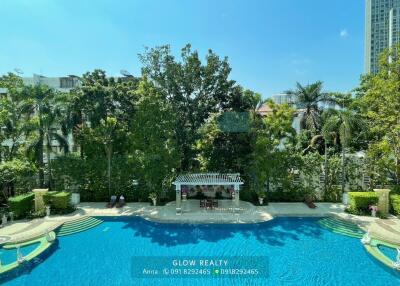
<point>207,179</point>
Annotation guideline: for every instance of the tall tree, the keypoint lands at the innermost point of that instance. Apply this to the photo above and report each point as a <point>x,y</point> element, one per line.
<point>154,138</point>
<point>309,98</point>
<point>193,89</point>
<point>269,151</point>
<point>15,118</point>
<point>45,112</point>
<point>93,101</point>
<point>343,123</point>
<point>379,102</point>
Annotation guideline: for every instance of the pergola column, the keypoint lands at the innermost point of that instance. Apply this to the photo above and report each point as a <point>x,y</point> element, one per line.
<point>178,198</point>
<point>236,189</point>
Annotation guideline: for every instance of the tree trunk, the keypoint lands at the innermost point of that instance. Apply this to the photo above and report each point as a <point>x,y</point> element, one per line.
<point>109,155</point>
<point>326,168</point>
<point>48,153</point>
<point>40,159</point>
<point>343,169</point>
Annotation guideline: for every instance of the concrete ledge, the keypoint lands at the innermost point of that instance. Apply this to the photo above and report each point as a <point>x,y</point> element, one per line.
<point>386,230</point>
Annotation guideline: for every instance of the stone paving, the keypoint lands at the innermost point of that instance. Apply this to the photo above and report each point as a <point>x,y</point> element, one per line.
<point>388,230</point>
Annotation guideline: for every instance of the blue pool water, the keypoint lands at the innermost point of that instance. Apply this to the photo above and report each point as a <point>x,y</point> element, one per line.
<point>8,256</point>
<point>389,252</point>
<point>298,250</point>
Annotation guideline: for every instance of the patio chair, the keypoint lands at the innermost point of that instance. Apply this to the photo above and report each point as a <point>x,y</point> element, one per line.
<point>112,202</point>
<point>202,203</point>
<point>121,202</point>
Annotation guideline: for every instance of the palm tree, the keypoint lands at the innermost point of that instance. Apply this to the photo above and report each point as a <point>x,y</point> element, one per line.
<point>308,98</point>
<point>342,124</point>
<point>46,112</point>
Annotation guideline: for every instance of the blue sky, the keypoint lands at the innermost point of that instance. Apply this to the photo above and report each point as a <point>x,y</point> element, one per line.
<point>270,44</point>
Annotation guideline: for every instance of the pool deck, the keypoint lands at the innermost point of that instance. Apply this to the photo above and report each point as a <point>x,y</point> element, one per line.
<point>386,230</point>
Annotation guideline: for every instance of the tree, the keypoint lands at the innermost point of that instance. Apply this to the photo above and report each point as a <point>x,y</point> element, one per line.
<point>308,98</point>
<point>97,98</point>
<point>45,113</point>
<point>379,103</point>
<point>153,138</point>
<point>269,153</point>
<point>15,118</point>
<point>223,149</point>
<point>194,91</point>
<point>105,133</point>
<point>342,124</point>
<point>15,177</point>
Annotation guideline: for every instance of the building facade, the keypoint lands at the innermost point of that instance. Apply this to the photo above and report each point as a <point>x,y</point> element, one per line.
<point>284,98</point>
<point>64,84</point>
<point>382,30</point>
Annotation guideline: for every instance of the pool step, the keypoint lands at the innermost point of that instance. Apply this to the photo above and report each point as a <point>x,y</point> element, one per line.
<point>341,227</point>
<point>78,225</point>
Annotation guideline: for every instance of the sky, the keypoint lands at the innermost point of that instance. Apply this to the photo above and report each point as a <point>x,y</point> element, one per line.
<point>270,44</point>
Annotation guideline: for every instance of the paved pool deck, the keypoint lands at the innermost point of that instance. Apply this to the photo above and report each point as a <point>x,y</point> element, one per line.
<point>387,230</point>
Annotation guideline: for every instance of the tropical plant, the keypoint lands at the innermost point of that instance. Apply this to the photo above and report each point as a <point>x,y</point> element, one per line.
<point>270,160</point>
<point>309,98</point>
<point>45,112</point>
<point>14,116</point>
<point>343,123</point>
<point>379,103</point>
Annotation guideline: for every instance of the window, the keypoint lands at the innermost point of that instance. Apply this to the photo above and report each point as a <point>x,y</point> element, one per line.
<point>67,82</point>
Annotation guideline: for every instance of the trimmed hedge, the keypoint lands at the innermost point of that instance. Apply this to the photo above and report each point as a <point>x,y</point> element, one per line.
<point>59,202</point>
<point>21,205</point>
<point>360,202</point>
<point>395,202</point>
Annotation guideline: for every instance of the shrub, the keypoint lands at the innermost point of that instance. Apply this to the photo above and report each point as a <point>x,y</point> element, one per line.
<point>21,205</point>
<point>395,203</point>
<point>89,177</point>
<point>37,214</point>
<point>16,177</point>
<point>47,197</point>
<point>60,202</point>
<point>360,202</point>
<point>333,194</point>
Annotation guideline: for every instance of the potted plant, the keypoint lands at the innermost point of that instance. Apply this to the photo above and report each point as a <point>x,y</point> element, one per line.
<point>153,198</point>
<point>373,210</point>
<point>261,197</point>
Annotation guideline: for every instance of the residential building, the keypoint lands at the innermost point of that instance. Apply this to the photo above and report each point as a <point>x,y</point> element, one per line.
<point>284,98</point>
<point>382,30</point>
<point>59,83</point>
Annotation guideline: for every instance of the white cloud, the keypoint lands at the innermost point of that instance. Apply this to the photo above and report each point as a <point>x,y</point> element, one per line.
<point>344,33</point>
<point>300,61</point>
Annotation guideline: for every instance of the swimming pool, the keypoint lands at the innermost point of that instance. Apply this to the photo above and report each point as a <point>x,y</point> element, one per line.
<point>8,256</point>
<point>299,252</point>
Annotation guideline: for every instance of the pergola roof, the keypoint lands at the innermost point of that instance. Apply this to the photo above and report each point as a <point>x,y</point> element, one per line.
<point>208,179</point>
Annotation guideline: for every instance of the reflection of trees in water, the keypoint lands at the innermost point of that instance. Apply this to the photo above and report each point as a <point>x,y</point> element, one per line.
<point>276,232</point>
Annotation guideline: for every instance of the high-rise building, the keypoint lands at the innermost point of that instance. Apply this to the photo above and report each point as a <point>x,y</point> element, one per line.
<point>382,30</point>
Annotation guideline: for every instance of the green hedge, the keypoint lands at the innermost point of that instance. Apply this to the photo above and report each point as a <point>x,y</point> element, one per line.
<point>395,202</point>
<point>59,202</point>
<point>89,178</point>
<point>360,202</point>
<point>21,205</point>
